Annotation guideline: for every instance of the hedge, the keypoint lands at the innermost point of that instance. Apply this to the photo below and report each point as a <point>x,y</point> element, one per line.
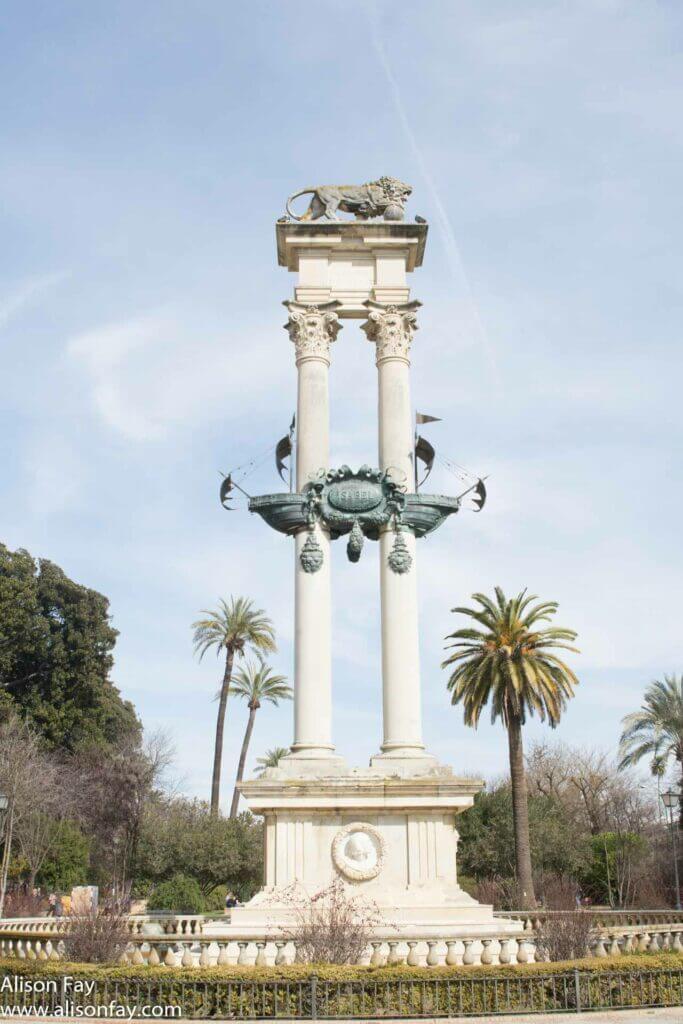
<point>401,991</point>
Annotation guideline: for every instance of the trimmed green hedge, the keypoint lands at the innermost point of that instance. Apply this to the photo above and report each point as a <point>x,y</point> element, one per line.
<point>290,992</point>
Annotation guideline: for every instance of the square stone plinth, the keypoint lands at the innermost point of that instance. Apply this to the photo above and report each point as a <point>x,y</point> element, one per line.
<point>392,839</point>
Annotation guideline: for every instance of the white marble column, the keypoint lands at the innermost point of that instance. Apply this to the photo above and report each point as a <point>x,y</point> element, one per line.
<point>391,329</point>
<point>312,329</point>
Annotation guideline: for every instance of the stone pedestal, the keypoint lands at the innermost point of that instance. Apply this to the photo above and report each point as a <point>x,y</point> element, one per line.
<point>391,837</point>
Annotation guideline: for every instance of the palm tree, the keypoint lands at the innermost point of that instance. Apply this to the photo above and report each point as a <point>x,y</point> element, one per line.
<point>656,730</point>
<point>255,684</point>
<point>511,662</point>
<point>271,759</point>
<point>234,627</point>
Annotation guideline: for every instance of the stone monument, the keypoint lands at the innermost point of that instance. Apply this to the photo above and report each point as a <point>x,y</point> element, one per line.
<point>388,830</point>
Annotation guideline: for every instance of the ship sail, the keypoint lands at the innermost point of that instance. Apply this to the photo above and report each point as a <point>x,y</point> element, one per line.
<point>283,450</point>
<point>426,453</point>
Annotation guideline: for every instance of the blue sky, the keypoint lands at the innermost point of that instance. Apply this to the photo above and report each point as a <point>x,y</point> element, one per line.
<point>147,150</point>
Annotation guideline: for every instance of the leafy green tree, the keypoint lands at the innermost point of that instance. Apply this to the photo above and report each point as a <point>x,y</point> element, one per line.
<point>182,836</point>
<point>233,628</point>
<point>486,844</point>
<point>612,874</point>
<point>255,684</point>
<point>56,644</point>
<point>656,731</point>
<point>271,759</point>
<point>181,894</point>
<point>510,662</point>
<point>68,862</point>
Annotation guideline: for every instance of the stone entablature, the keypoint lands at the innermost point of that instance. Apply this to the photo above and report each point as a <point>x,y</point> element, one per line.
<point>351,262</point>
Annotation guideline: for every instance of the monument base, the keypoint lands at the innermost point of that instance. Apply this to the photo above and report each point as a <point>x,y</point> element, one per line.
<point>388,832</point>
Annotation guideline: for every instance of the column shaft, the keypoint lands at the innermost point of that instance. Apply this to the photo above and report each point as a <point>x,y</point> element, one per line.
<point>391,328</point>
<point>312,329</point>
<point>402,715</point>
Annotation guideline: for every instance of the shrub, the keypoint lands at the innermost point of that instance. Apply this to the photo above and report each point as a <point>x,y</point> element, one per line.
<point>99,937</point>
<point>215,901</point>
<point>558,892</point>
<point>501,893</point>
<point>20,903</point>
<point>181,894</point>
<point>67,863</point>
<point>565,936</point>
<point>331,927</point>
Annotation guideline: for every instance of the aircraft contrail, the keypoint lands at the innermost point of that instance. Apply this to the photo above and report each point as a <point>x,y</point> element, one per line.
<point>13,303</point>
<point>453,255</point>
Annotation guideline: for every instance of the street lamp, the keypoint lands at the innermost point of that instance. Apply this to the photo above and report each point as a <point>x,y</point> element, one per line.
<point>672,799</point>
<point>4,804</point>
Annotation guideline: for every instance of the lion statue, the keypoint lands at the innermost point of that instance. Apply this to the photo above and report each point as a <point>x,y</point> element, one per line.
<point>385,197</point>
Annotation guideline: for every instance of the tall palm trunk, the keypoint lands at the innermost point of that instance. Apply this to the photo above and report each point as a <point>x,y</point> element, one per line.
<point>243,760</point>
<point>220,726</point>
<point>520,814</point>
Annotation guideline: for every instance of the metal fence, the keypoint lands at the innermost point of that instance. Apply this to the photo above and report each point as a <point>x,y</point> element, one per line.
<point>315,998</point>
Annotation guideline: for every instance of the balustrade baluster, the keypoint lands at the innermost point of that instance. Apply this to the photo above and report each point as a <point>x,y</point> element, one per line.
<point>394,956</point>
<point>432,954</point>
<point>487,952</point>
<point>451,954</point>
<point>522,951</point>
<point>170,959</point>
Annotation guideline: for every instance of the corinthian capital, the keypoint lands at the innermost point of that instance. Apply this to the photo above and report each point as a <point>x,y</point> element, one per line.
<point>312,329</point>
<point>391,328</point>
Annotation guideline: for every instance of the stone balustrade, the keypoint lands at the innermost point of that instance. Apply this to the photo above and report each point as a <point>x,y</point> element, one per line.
<point>533,919</point>
<point>206,952</point>
<point>186,940</point>
<point>138,924</point>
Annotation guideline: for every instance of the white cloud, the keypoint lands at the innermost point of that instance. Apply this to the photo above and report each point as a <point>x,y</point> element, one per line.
<point>163,370</point>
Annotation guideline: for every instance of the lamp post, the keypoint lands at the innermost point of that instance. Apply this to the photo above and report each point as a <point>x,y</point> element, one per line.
<point>671,799</point>
<point>4,804</point>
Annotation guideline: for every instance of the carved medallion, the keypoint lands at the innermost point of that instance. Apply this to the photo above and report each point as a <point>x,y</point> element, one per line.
<point>358,851</point>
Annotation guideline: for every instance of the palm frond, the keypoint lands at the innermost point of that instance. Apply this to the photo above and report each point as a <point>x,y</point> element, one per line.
<point>509,663</point>
<point>235,624</point>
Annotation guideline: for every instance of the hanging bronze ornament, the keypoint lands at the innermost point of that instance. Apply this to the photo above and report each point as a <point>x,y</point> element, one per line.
<point>399,558</point>
<point>311,556</point>
<point>355,544</point>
